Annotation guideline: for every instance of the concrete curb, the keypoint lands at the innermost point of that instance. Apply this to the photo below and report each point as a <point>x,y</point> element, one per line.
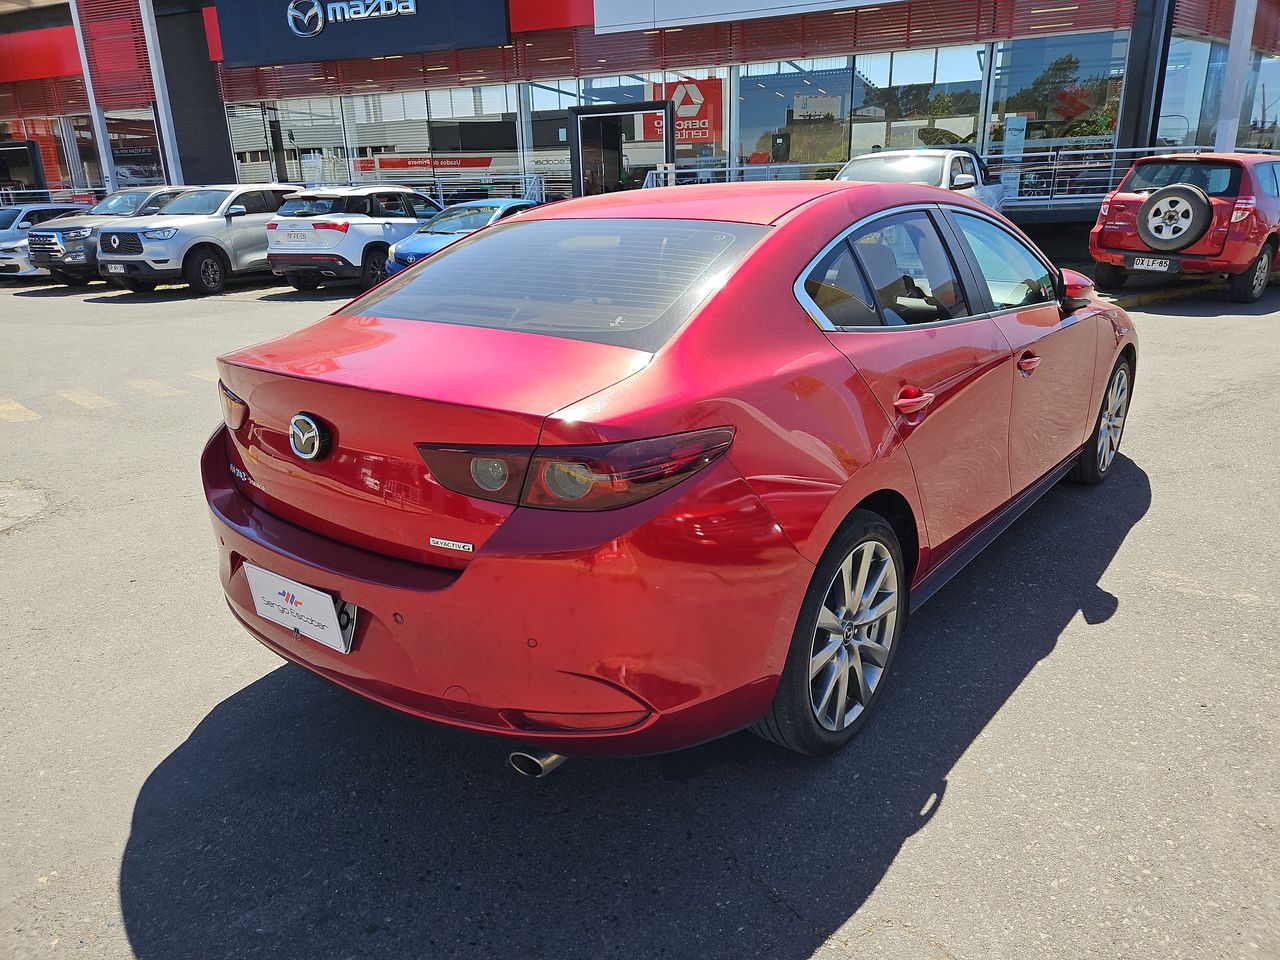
<point>1144,298</point>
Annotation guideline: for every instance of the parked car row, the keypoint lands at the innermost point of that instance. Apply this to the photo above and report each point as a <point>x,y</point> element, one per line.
<point>139,238</point>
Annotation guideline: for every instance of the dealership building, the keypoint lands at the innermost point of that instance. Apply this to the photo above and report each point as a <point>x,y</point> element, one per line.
<point>576,95</point>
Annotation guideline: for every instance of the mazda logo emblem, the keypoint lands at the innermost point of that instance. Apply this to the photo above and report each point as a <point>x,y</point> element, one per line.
<point>306,17</point>
<point>307,437</point>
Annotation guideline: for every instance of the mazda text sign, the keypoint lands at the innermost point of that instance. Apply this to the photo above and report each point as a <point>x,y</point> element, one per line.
<point>264,32</point>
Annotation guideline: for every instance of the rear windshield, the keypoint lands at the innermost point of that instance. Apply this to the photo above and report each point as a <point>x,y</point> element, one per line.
<point>196,203</point>
<point>322,206</point>
<point>927,170</point>
<point>1215,178</point>
<point>625,282</point>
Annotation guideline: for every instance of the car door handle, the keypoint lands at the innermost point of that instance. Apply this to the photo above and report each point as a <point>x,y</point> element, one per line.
<point>912,401</point>
<point>1028,362</point>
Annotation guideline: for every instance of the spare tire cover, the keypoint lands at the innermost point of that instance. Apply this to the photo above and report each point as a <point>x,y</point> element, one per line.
<point>1174,217</point>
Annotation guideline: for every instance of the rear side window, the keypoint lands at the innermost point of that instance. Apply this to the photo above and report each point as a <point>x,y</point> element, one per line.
<point>838,290</point>
<point>1268,175</point>
<point>910,270</point>
<point>1215,178</point>
<point>626,282</point>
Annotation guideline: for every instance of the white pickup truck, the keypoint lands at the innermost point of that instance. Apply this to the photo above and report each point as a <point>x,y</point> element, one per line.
<point>960,170</point>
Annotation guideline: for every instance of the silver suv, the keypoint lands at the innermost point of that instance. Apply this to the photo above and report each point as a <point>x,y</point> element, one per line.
<point>68,247</point>
<point>202,236</point>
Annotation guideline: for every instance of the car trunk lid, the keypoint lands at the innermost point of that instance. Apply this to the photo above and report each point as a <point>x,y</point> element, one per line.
<point>378,387</point>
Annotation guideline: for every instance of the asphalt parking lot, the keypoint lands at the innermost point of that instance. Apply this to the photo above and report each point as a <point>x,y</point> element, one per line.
<point>1077,756</point>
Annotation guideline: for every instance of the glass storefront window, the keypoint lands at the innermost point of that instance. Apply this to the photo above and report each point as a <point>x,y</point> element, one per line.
<point>917,98</point>
<point>1061,92</point>
<point>473,131</point>
<point>1258,119</point>
<point>388,135</point>
<point>134,148</point>
<point>289,141</point>
<point>1192,92</point>
<point>796,111</point>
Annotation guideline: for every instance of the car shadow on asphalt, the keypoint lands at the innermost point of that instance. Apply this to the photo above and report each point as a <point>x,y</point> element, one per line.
<point>299,821</point>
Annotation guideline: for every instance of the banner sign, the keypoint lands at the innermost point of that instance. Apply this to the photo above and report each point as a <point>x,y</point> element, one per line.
<point>699,110</point>
<point>267,32</point>
<point>393,162</point>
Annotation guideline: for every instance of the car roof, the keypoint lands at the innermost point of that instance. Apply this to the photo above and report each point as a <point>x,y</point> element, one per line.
<point>926,152</point>
<point>1236,157</point>
<point>45,205</point>
<point>494,202</point>
<point>762,203</point>
<point>242,186</point>
<point>354,191</point>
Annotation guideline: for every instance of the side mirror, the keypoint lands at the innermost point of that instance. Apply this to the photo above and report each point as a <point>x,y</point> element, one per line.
<point>963,181</point>
<point>237,210</point>
<point>25,224</point>
<point>1077,290</point>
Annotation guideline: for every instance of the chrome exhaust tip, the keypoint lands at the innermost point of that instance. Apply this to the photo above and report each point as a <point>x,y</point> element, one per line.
<point>535,763</point>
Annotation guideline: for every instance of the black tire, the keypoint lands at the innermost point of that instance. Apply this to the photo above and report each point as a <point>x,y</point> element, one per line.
<point>302,281</point>
<point>1107,276</point>
<point>1181,213</point>
<point>69,279</point>
<point>134,285</point>
<point>205,271</point>
<point>1249,285</point>
<point>792,719</point>
<point>373,270</point>
<point>1090,467</point>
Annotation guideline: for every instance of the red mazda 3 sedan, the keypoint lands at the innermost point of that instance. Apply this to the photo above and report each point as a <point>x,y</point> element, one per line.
<point>635,471</point>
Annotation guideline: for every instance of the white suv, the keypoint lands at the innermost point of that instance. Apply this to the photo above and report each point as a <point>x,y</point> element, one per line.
<point>343,233</point>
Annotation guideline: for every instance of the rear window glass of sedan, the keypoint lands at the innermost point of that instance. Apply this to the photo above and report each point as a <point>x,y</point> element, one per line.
<point>625,282</point>
<point>1217,179</point>
<point>196,203</point>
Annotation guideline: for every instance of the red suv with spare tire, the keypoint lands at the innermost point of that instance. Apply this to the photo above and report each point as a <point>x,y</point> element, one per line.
<point>1192,213</point>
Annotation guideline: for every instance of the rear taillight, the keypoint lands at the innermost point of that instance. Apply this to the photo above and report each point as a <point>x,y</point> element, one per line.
<point>1106,204</point>
<point>234,410</point>
<point>1244,206</point>
<point>595,477</point>
<point>273,225</point>
<point>340,225</point>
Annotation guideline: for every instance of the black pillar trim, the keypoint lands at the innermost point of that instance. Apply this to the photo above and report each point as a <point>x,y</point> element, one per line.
<point>199,118</point>
<point>1144,73</point>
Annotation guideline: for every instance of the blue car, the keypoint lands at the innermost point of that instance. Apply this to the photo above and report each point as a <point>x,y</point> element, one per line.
<point>447,226</point>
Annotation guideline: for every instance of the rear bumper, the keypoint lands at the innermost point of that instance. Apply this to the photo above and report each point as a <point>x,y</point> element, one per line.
<point>674,615</point>
<point>1229,261</point>
<point>314,264</point>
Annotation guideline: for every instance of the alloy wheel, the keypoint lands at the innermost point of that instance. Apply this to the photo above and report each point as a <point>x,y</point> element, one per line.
<point>1111,423</point>
<point>210,272</point>
<point>1262,273</point>
<point>850,647</point>
<point>1170,218</point>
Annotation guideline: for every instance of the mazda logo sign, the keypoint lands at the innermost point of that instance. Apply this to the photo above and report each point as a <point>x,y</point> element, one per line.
<point>306,17</point>
<point>307,437</point>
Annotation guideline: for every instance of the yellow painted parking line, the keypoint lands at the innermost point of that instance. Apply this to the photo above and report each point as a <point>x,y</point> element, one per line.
<point>210,375</point>
<point>15,412</point>
<point>155,388</point>
<point>86,399</point>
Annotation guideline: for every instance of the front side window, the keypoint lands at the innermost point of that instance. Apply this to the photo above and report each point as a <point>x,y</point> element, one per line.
<point>910,270</point>
<point>9,217</point>
<point>423,209</point>
<point>121,204</point>
<point>1014,276</point>
<point>837,288</point>
<point>154,205</point>
<point>630,282</point>
<point>195,203</point>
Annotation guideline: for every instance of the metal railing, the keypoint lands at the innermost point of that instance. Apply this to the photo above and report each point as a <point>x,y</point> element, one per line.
<point>450,189</point>
<point>1058,177</point>
<point>11,196</point>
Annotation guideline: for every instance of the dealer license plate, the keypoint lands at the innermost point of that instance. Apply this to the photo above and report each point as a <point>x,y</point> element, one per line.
<point>1152,263</point>
<point>310,612</point>
<point>115,268</point>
